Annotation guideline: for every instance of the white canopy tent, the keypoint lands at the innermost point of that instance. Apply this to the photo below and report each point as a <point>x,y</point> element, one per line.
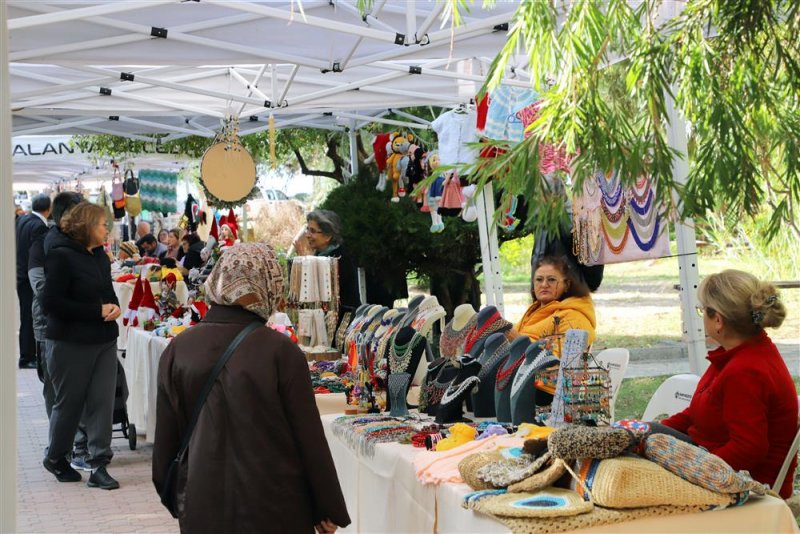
<point>138,67</point>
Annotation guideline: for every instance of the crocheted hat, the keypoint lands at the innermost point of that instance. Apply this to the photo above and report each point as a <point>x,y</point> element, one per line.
<point>130,316</point>
<point>699,466</point>
<point>542,479</point>
<point>129,248</point>
<point>574,442</point>
<point>510,470</point>
<point>552,502</point>
<point>469,466</point>
<point>632,482</point>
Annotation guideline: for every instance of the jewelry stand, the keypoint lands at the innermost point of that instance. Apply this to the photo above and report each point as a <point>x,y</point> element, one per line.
<point>398,389</point>
<point>575,344</point>
<point>505,377</point>
<point>488,322</point>
<point>453,338</point>
<point>495,351</point>
<point>405,355</point>
<point>451,408</point>
<point>438,380</point>
<point>523,389</point>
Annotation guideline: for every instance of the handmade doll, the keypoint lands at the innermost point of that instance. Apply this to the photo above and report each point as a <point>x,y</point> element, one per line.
<point>168,299</point>
<point>435,195</point>
<point>397,162</point>
<point>226,237</point>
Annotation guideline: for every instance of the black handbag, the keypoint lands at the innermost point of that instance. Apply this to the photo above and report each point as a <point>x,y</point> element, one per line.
<point>169,490</point>
<point>131,184</point>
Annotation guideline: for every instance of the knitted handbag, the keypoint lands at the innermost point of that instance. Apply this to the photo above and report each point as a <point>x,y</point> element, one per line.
<point>633,482</point>
<point>551,502</point>
<point>469,466</point>
<point>574,442</point>
<point>510,470</point>
<point>699,466</point>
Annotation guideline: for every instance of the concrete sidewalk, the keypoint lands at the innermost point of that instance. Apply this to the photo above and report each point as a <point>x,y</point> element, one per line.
<point>45,505</point>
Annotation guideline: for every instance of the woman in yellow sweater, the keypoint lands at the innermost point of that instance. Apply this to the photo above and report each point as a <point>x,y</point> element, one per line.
<point>561,301</point>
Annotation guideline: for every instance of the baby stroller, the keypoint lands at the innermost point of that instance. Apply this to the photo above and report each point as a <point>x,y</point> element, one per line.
<point>127,429</point>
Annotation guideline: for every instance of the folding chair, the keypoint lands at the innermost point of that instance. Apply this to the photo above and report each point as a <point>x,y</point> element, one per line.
<point>789,457</point>
<point>672,396</point>
<point>616,360</point>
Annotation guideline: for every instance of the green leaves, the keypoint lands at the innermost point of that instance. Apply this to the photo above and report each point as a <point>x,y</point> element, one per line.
<point>733,69</point>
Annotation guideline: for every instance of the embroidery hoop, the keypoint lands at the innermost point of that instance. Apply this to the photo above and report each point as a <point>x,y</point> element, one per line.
<point>227,170</point>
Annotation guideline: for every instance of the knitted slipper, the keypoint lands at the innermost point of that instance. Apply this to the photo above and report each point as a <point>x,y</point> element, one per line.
<point>510,470</point>
<point>574,442</point>
<point>542,479</point>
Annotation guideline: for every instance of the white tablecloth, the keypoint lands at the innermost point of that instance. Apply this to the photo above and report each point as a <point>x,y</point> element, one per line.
<point>124,291</point>
<point>141,371</point>
<point>383,495</point>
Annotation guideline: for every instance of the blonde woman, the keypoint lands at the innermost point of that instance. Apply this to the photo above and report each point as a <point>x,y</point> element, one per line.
<point>745,407</point>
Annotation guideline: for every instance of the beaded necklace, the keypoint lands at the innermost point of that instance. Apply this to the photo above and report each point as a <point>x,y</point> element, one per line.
<point>611,191</point>
<point>454,391</point>
<point>495,323</point>
<point>616,249</point>
<point>528,369</point>
<point>505,373</point>
<point>400,355</point>
<point>593,233</point>
<point>644,220</point>
<point>641,190</point>
<point>590,191</point>
<point>653,237</point>
<point>642,209</point>
<point>452,341</point>
<point>617,214</point>
<point>491,362</point>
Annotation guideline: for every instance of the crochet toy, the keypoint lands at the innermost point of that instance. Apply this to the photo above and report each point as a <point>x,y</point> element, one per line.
<point>397,163</point>
<point>168,299</point>
<point>435,195</point>
<point>459,435</point>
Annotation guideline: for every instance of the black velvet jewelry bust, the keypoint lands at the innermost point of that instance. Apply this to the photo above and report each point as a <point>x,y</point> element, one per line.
<point>494,352</point>
<point>505,377</point>
<point>488,322</point>
<point>441,372</point>
<point>523,388</point>
<point>399,384</point>
<point>451,407</point>
<point>405,353</point>
<point>413,307</point>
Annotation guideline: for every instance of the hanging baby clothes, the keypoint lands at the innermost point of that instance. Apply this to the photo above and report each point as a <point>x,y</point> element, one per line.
<point>311,328</point>
<point>551,157</point>
<point>379,149</point>
<point>454,130</point>
<point>502,120</point>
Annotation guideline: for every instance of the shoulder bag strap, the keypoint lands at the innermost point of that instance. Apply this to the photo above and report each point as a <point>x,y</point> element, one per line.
<point>198,407</point>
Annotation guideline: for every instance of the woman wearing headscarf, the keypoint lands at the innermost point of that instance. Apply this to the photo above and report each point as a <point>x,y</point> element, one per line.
<point>258,459</point>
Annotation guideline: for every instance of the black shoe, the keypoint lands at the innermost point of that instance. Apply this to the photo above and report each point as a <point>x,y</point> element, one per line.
<point>27,365</point>
<point>62,470</point>
<point>101,479</point>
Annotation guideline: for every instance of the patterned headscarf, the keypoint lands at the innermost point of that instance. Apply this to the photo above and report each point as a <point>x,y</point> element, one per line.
<point>247,269</point>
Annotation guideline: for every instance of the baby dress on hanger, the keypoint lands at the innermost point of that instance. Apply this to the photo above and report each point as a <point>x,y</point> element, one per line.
<point>452,196</point>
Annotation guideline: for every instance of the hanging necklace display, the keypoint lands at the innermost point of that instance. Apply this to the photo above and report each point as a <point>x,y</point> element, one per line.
<point>227,170</point>
<point>452,341</point>
<point>618,212</point>
<point>619,234</point>
<point>645,245</point>
<point>641,191</point>
<point>642,206</point>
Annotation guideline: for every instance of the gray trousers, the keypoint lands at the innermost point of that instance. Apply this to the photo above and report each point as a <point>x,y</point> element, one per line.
<point>84,380</point>
<point>49,394</point>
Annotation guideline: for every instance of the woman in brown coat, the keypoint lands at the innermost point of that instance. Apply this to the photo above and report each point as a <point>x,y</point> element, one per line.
<point>258,460</point>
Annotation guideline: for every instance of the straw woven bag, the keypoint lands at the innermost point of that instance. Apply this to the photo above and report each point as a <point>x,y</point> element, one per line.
<point>541,480</point>
<point>633,482</point>
<point>469,466</point>
<point>551,502</point>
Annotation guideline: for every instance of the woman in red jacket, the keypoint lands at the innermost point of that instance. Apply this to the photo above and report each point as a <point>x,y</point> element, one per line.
<point>745,407</point>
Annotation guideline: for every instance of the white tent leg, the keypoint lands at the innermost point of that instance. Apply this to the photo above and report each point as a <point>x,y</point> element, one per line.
<point>693,331</point>
<point>490,253</point>
<point>353,135</point>
<point>8,375</point>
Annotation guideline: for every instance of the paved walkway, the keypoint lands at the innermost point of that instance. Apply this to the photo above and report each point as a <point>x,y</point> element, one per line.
<point>45,505</point>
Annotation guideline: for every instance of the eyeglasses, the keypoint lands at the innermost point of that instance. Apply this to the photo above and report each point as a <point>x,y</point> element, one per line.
<point>701,311</point>
<point>313,231</point>
<point>550,281</point>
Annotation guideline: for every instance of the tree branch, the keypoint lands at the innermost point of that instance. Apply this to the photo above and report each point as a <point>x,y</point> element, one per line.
<point>313,172</point>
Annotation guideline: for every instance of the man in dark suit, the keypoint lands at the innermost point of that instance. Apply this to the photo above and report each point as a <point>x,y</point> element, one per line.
<point>29,228</point>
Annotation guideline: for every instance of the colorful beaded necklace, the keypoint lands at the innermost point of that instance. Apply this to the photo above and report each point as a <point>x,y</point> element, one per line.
<point>452,341</point>
<point>505,373</point>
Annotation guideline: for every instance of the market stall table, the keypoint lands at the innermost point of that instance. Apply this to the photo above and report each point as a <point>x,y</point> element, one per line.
<point>124,291</point>
<point>384,495</point>
<point>141,371</point>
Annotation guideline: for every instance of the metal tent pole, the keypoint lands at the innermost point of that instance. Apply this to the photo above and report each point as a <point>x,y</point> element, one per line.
<point>693,331</point>
<point>8,376</point>
<point>490,252</point>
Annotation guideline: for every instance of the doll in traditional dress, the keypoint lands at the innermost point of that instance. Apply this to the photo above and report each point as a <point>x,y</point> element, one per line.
<point>435,194</point>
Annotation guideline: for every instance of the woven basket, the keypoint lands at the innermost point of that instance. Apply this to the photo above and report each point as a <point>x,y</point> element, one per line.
<point>633,482</point>
<point>468,468</point>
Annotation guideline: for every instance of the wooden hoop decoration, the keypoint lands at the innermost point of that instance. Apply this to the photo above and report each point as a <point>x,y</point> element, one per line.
<point>228,172</point>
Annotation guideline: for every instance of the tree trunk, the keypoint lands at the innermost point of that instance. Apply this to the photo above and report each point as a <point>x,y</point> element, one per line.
<point>456,288</point>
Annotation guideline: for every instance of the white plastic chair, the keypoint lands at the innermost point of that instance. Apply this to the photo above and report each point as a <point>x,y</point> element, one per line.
<point>616,360</point>
<point>789,456</point>
<point>672,396</point>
